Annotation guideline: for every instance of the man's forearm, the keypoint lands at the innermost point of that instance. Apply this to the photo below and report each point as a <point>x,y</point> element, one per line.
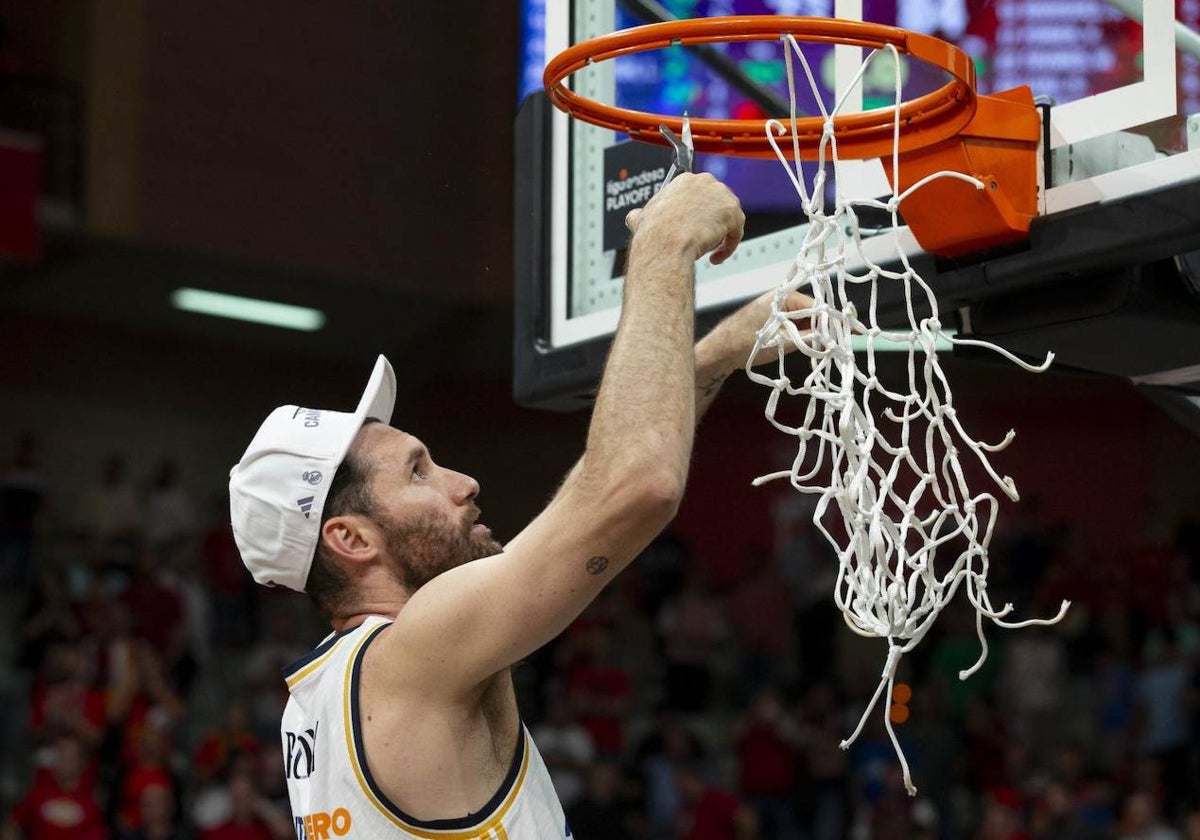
<point>645,408</point>
<point>712,369</point>
<point>643,422</point>
<point>710,375</point>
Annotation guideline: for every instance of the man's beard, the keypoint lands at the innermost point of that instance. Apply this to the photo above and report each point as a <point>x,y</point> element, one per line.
<point>420,551</point>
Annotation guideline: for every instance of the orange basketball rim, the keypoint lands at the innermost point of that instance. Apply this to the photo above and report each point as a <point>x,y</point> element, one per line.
<point>993,138</point>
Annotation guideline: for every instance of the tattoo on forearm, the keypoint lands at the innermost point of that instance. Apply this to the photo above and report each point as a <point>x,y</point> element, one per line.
<point>596,565</point>
<point>712,386</point>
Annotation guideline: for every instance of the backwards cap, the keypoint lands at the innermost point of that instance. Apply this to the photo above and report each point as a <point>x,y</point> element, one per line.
<point>277,490</point>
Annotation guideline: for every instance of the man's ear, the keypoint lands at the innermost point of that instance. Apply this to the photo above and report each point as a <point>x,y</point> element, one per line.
<point>351,538</point>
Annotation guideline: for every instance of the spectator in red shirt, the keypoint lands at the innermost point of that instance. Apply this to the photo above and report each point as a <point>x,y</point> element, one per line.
<point>219,750</point>
<point>251,817</point>
<point>600,690</point>
<point>64,702</point>
<point>144,701</point>
<point>156,611</point>
<point>159,820</point>
<point>61,805</point>
<point>107,643</point>
<point>760,609</point>
<point>710,813</point>
<point>150,769</point>
<point>767,740</point>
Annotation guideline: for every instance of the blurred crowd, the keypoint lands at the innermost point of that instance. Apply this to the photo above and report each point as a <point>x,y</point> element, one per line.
<point>141,669</point>
<point>141,674</point>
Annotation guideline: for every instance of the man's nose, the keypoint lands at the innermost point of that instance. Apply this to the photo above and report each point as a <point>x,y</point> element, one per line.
<point>465,488</point>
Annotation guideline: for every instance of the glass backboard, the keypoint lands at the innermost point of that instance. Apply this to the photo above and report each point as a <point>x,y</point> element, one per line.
<point>1118,187</point>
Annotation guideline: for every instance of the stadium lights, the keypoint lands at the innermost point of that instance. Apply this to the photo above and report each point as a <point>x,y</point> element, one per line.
<point>248,309</point>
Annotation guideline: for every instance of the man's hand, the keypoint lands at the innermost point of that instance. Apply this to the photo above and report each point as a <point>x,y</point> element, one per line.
<point>727,346</point>
<point>695,213</point>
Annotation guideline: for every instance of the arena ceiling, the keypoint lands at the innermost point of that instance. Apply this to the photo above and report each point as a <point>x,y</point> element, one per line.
<point>356,158</point>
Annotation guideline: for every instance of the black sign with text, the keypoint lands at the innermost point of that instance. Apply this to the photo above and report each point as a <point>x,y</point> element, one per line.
<point>632,173</point>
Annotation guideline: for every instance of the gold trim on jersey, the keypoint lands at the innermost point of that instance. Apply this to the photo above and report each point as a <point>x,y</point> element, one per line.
<point>298,677</point>
<point>491,829</point>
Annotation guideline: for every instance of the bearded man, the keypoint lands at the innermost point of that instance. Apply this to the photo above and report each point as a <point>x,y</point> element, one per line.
<point>403,722</point>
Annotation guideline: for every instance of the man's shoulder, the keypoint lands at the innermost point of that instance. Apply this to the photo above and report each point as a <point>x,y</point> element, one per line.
<point>396,664</point>
<point>338,650</point>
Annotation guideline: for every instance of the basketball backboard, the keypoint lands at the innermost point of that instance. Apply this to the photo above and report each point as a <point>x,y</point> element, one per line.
<point>1107,278</point>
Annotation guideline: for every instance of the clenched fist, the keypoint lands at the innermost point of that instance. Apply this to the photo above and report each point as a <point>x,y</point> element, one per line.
<point>694,213</point>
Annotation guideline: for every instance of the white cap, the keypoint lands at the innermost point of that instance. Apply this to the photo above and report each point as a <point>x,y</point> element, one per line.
<point>277,491</point>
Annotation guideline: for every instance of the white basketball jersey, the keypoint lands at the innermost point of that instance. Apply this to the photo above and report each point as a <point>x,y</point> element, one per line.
<point>332,792</point>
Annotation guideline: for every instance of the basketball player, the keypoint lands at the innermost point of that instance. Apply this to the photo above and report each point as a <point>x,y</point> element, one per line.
<point>403,723</point>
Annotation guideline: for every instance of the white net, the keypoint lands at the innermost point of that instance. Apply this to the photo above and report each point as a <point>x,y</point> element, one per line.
<point>912,532</point>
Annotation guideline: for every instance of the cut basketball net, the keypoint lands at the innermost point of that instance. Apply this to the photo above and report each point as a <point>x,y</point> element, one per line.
<point>902,496</point>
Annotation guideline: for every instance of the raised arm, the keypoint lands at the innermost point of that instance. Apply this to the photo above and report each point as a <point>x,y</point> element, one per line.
<point>724,350</point>
<point>481,617</point>
<point>629,482</point>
